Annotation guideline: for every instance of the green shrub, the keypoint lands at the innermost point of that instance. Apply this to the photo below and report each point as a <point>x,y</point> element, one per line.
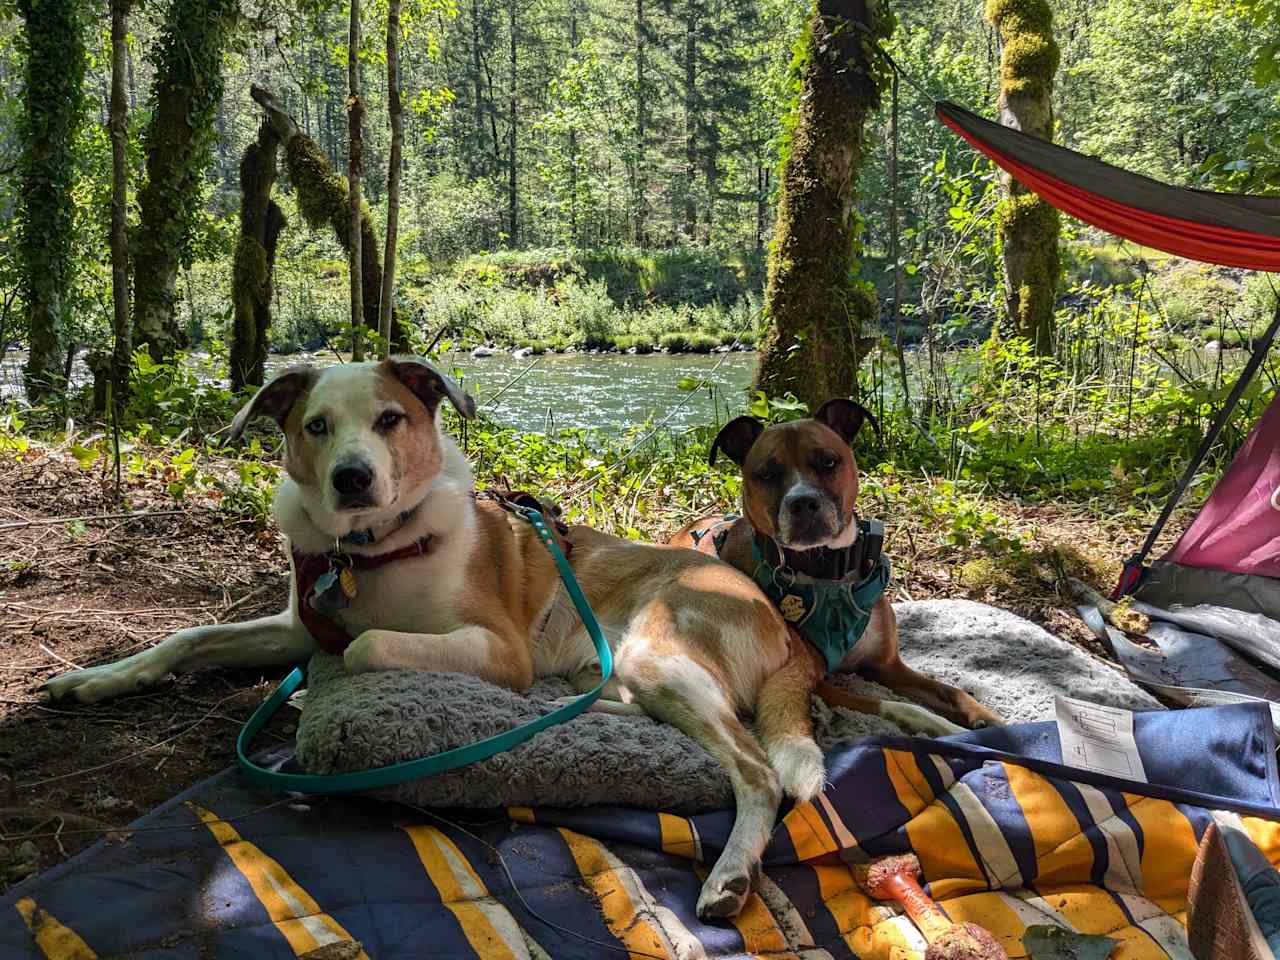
<point>1196,298</point>
<point>688,341</point>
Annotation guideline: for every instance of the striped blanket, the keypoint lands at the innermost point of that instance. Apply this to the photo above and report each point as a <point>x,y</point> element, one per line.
<point>1007,837</point>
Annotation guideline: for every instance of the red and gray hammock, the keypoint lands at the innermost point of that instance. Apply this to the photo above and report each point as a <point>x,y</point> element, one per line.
<point>1232,229</point>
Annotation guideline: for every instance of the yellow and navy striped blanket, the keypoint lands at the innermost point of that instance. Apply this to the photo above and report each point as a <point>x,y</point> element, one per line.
<point>1006,835</point>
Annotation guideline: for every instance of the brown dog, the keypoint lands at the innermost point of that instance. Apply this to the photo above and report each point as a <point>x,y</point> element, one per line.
<point>799,499</point>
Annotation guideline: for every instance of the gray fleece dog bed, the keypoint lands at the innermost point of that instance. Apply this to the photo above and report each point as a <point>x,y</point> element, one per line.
<point>350,722</point>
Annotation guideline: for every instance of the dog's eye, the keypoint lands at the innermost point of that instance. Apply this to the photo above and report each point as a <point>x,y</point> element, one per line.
<point>389,419</point>
<point>317,427</point>
<point>828,461</point>
<point>768,473</point>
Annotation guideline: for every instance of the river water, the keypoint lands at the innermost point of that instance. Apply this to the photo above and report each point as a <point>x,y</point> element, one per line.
<point>608,392</point>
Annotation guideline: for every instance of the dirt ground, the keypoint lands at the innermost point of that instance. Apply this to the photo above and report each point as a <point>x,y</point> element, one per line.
<point>76,592</point>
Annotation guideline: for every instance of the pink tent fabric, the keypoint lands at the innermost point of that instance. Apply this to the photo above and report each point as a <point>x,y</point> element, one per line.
<point>1238,529</point>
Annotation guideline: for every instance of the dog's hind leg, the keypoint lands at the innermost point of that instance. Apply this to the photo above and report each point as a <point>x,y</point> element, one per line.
<point>785,724</point>
<point>267,641</point>
<point>675,689</point>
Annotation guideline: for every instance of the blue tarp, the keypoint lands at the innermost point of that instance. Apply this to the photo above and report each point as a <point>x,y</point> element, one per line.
<point>1007,837</point>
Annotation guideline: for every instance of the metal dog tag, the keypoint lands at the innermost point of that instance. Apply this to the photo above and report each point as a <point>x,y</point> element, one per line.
<point>328,596</point>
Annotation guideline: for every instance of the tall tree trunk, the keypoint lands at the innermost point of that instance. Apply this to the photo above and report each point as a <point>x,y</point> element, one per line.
<point>479,104</point>
<point>690,117</point>
<point>393,174</point>
<point>179,140</point>
<point>573,135</point>
<point>323,198</point>
<point>53,109</point>
<point>355,114</point>
<point>122,354</point>
<point>261,221</point>
<point>816,305</point>
<point>640,186</point>
<point>513,223</point>
<point>1028,226</point>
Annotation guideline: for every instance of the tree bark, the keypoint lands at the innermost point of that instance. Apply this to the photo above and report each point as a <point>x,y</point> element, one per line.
<point>641,186</point>
<point>122,352</point>
<point>513,223</point>
<point>1028,226</point>
<point>261,221</point>
<point>387,299</point>
<point>323,198</point>
<point>179,138</point>
<point>690,117</point>
<point>355,114</point>
<point>817,307</point>
<point>53,109</point>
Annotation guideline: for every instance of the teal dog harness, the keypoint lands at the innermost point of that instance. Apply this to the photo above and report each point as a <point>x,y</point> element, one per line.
<point>831,614</point>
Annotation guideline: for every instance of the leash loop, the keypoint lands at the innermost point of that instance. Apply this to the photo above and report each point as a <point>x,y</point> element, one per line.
<point>404,771</point>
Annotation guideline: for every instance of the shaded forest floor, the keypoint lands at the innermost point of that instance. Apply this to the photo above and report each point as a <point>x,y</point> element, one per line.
<point>76,592</point>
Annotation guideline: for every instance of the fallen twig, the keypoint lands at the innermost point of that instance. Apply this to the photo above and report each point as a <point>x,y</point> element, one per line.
<point>60,658</point>
<point>92,518</point>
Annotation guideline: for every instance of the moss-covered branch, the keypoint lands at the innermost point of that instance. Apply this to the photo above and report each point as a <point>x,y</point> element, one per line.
<point>1028,227</point>
<point>323,200</point>
<point>818,306</point>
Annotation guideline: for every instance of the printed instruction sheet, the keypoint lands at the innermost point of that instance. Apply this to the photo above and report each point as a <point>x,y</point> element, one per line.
<point>1099,738</point>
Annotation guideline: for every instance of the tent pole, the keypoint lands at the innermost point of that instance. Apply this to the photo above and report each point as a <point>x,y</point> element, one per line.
<point>1246,375</point>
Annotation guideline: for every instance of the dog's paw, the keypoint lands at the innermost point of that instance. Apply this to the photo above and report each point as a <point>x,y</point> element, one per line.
<point>103,682</point>
<point>918,721</point>
<point>800,767</point>
<point>364,653</point>
<point>724,894</point>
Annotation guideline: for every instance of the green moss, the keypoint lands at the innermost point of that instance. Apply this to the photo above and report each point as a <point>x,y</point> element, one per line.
<point>323,198</point>
<point>816,304</point>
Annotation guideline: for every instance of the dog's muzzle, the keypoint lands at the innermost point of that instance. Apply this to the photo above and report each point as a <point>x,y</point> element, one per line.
<point>806,518</point>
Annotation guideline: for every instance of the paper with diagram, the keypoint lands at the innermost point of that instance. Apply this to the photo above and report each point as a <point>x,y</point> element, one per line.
<point>1098,738</point>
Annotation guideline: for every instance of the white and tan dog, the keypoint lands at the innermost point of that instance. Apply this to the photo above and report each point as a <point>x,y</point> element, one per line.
<point>695,642</point>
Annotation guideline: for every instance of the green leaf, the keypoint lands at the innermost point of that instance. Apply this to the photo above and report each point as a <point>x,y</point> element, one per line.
<point>1046,942</point>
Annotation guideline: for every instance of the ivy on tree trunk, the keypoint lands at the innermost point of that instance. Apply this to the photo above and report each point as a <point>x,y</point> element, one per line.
<point>1028,227</point>
<point>817,306</point>
<point>261,221</point>
<point>179,140</point>
<point>53,109</point>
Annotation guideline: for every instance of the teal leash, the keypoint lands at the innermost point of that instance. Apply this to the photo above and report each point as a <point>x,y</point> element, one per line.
<point>395,773</point>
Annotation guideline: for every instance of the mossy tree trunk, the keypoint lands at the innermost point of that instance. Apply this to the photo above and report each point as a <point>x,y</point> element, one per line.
<point>261,221</point>
<point>323,199</point>
<point>817,306</point>
<point>179,141</point>
<point>53,109</point>
<point>1028,226</point>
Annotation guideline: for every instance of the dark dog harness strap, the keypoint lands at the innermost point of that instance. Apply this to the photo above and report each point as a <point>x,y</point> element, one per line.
<point>326,581</point>
<point>832,615</point>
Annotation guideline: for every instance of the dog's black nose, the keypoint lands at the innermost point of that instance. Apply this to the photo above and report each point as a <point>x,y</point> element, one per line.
<point>352,479</point>
<point>802,504</point>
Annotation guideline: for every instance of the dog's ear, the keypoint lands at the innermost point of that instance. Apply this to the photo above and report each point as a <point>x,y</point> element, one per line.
<point>275,399</point>
<point>431,386</point>
<point>735,439</point>
<point>846,418</point>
